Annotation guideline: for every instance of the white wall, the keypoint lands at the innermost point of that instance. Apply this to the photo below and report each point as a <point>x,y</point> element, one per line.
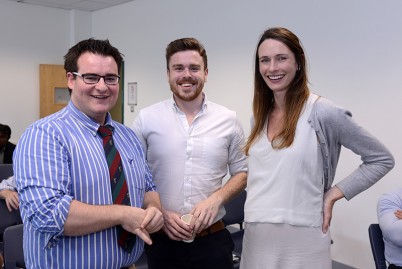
<point>29,36</point>
<point>354,53</point>
<point>32,35</point>
<point>353,48</point>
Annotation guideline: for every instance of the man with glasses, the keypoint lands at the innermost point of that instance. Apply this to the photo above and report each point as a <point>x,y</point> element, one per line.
<point>94,78</point>
<point>84,183</point>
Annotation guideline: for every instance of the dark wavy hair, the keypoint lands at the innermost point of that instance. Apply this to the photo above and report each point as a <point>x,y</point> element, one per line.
<point>5,129</point>
<point>184,44</point>
<point>101,47</point>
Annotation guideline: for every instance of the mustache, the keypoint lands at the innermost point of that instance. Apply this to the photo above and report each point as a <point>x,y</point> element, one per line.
<point>187,80</point>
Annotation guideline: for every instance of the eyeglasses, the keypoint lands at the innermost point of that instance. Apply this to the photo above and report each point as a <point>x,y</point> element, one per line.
<point>94,78</point>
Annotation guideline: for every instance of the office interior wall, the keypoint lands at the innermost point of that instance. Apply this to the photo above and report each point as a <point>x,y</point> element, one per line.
<point>29,36</point>
<point>80,26</point>
<point>32,35</point>
<point>352,47</point>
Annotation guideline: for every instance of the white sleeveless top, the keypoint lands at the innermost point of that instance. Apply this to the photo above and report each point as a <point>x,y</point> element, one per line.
<point>286,185</point>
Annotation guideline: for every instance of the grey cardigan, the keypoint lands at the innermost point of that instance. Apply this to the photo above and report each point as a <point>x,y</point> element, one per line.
<point>335,128</point>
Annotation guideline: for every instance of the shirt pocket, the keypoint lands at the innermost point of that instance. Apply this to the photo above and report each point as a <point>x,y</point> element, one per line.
<point>215,154</point>
<point>136,181</point>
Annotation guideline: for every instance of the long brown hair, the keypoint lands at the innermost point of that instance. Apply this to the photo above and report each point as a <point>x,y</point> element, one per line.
<point>296,95</point>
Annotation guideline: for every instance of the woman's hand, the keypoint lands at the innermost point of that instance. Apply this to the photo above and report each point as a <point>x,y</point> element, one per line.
<point>330,197</point>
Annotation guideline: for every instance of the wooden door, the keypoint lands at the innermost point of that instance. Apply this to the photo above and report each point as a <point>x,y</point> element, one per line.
<point>54,94</point>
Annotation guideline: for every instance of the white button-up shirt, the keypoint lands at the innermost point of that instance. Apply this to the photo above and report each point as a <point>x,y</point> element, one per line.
<point>189,162</point>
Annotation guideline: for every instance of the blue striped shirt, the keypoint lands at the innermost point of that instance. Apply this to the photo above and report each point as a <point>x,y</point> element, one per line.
<point>60,158</point>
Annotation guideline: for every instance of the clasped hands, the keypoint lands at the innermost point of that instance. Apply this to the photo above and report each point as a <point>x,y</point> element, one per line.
<point>204,214</point>
<point>150,221</point>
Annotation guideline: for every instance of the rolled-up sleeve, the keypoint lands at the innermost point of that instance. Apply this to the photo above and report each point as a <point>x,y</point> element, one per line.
<point>8,184</point>
<point>237,157</point>
<point>41,172</point>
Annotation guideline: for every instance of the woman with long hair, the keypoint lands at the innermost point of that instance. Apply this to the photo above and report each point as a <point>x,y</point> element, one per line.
<point>293,150</point>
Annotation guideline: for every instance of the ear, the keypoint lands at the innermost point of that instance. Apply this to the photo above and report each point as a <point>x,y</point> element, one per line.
<point>70,80</point>
<point>206,75</point>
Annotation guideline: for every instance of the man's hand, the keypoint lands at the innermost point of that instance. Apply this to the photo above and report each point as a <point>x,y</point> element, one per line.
<point>153,220</point>
<point>174,227</point>
<point>398,214</point>
<point>142,222</point>
<point>11,198</point>
<point>205,212</point>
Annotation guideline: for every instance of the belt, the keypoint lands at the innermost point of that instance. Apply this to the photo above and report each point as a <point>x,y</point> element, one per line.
<point>216,227</point>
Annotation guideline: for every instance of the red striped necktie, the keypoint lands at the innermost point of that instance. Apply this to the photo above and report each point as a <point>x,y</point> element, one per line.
<point>118,183</point>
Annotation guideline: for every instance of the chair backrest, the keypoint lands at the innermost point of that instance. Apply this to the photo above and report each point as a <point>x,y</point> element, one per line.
<point>13,247</point>
<point>377,246</point>
<point>8,218</point>
<point>235,215</point>
<point>6,170</point>
<point>235,209</point>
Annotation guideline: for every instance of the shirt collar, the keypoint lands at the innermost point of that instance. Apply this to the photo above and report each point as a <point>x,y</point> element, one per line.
<point>85,120</point>
<point>203,105</point>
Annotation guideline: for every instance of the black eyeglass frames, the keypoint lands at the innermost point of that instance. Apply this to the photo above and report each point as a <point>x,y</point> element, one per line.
<point>94,78</point>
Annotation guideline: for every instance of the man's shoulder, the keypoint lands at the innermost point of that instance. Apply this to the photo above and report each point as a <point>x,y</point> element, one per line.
<point>10,145</point>
<point>392,194</point>
<point>218,109</point>
<point>218,106</point>
<point>159,105</point>
<point>126,133</point>
<point>122,128</point>
<point>157,109</point>
<point>50,119</point>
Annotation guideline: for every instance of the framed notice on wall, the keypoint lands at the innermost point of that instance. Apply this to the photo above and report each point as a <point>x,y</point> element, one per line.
<point>61,95</point>
<point>132,94</point>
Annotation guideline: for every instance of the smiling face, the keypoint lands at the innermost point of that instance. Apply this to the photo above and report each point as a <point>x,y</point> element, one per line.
<point>94,100</point>
<point>186,75</point>
<point>277,64</point>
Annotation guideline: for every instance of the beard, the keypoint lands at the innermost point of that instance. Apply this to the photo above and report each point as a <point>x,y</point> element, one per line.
<point>186,96</point>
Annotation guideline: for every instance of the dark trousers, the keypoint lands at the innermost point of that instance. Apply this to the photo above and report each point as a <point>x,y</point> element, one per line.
<point>393,266</point>
<point>213,251</point>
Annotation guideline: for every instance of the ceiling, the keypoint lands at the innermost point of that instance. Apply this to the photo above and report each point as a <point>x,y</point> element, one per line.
<point>86,5</point>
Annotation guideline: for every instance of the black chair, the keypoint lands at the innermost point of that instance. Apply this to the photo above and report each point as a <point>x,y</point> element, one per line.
<point>7,219</point>
<point>13,250</point>
<point>6,171</point>
<point>377,246</point>
<point>235,216</point>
